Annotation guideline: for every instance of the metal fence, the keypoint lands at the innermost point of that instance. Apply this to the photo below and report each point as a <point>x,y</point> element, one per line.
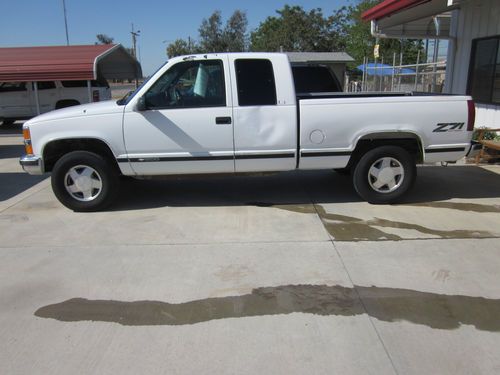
<point>425,77</point>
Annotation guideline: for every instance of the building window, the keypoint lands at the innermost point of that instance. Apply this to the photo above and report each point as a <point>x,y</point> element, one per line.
<point>484,74</point>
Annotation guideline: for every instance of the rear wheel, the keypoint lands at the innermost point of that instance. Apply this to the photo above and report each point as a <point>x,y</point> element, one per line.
<point>384,174</point>
<point>84,181</point>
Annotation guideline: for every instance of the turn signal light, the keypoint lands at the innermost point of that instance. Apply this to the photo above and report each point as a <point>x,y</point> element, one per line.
<point>27,141</point>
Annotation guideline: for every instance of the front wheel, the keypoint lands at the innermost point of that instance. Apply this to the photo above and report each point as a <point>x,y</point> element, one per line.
<point>84,181</point>
<point>384,174</point>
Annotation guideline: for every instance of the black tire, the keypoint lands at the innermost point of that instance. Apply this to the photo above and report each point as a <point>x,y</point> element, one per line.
<point>343,171</point>
<point>365,184</point>
<point>103,171</point>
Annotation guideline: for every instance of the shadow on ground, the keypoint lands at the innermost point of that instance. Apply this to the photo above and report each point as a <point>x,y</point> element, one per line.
<point>386,304</point>
<point>12,129</point>
<point>11,151</point>
<point>301,187</point>
<point>14,183</point>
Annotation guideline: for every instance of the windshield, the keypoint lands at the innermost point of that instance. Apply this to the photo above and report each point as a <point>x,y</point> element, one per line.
<point>129,95</point>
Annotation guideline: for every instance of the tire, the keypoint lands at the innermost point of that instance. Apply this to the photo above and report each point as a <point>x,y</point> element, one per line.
<point>399,173</point>
<point>84,181</point>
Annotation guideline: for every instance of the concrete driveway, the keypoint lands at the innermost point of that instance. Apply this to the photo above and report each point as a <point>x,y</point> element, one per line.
<point>283,274</point>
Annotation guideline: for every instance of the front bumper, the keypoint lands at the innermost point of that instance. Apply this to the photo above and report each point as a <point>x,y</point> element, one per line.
<point>32,164</point>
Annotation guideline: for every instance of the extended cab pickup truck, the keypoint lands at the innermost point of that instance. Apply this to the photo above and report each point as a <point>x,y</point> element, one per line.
<point>240,113</point>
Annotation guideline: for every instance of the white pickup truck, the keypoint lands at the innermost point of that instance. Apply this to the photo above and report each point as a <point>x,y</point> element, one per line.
<point>18,100</point>
<point>240,113</point>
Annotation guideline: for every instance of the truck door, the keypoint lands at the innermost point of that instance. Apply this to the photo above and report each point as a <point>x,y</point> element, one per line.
<point>185,124</point>
<point>15,100</point>
<point>265,117</point>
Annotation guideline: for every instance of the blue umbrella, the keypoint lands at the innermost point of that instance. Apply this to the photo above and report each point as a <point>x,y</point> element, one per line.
<point>383,69</point>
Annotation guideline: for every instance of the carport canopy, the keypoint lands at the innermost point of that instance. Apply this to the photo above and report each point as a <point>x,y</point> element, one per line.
<point>84,62</point>
<point>413,19</point>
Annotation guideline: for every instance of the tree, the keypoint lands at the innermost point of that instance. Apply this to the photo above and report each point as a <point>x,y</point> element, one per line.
<point>294,29</point>
<point>104,39</point>
<point>233,38</point>
<point>360,42</point>
<point>234,35</point>
<point>211,33</point>
<point>214,38</point>
<point>182,47</point>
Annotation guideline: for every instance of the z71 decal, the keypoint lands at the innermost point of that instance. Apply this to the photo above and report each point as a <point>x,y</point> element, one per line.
<point>449,127</point>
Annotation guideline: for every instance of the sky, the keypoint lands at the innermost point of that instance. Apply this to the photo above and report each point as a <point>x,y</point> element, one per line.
<point>41,22</point>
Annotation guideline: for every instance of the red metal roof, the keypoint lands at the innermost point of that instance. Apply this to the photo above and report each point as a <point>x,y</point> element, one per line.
<point>50,63</point>
<point>389,7</point>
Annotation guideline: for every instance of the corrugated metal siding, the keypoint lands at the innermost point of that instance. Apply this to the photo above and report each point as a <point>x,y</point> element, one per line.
<point>49,63</point>
<point>476,19</point>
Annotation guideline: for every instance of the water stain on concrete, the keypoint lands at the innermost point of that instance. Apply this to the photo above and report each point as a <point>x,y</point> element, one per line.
<point>348,228</point>
<point>434,310</point>
<point>471,207</point>
<point>14,218</point>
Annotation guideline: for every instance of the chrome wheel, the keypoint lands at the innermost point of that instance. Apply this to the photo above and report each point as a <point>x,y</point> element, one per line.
<point>83,183</point>
<point>386,175</point>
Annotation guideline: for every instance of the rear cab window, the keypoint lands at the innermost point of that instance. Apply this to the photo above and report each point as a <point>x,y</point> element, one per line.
<point>314,78</point>
<point>255,82</point>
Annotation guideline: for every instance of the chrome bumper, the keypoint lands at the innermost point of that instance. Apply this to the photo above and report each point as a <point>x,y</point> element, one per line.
<point>31,164</point>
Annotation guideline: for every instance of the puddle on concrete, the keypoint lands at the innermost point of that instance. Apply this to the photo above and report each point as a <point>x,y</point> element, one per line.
<point>348,228</point>
<point>386,304</point>
<point>474,207</point>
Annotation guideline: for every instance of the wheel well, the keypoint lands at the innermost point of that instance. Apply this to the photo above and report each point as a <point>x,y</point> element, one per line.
<point>66,103</point>
<point>410,142</point>
<point>54,150</point>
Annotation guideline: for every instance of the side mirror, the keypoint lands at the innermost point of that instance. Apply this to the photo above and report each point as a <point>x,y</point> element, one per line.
<point>141,104</point>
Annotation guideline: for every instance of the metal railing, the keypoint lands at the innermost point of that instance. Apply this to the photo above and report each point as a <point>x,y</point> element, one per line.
<point>425,77</point>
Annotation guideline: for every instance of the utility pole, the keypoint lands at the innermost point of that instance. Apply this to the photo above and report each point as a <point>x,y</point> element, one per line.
<point>65,22</point>
<point>135,34</point>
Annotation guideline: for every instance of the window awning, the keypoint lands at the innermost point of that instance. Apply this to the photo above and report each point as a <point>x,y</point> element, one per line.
<point>413,19</point>
<point>84,62</point>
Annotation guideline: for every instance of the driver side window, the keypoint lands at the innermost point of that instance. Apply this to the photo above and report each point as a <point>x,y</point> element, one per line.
<point>189,84</point>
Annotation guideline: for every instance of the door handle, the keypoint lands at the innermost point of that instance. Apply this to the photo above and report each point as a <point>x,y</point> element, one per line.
<point>223,120</point>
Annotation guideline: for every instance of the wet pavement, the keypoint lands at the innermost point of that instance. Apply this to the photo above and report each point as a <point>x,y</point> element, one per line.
<point>278,274</point>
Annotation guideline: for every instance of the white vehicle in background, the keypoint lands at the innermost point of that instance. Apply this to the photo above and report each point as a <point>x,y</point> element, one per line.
<point>18,101</point>
<point>244,113</point>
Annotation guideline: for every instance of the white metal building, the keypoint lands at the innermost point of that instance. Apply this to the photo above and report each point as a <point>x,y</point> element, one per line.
<point>472,28</point>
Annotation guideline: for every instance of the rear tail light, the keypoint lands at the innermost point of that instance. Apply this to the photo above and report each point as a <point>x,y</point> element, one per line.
<point>471,118</point>
<point>27,141</point>
<point>95,95</point>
